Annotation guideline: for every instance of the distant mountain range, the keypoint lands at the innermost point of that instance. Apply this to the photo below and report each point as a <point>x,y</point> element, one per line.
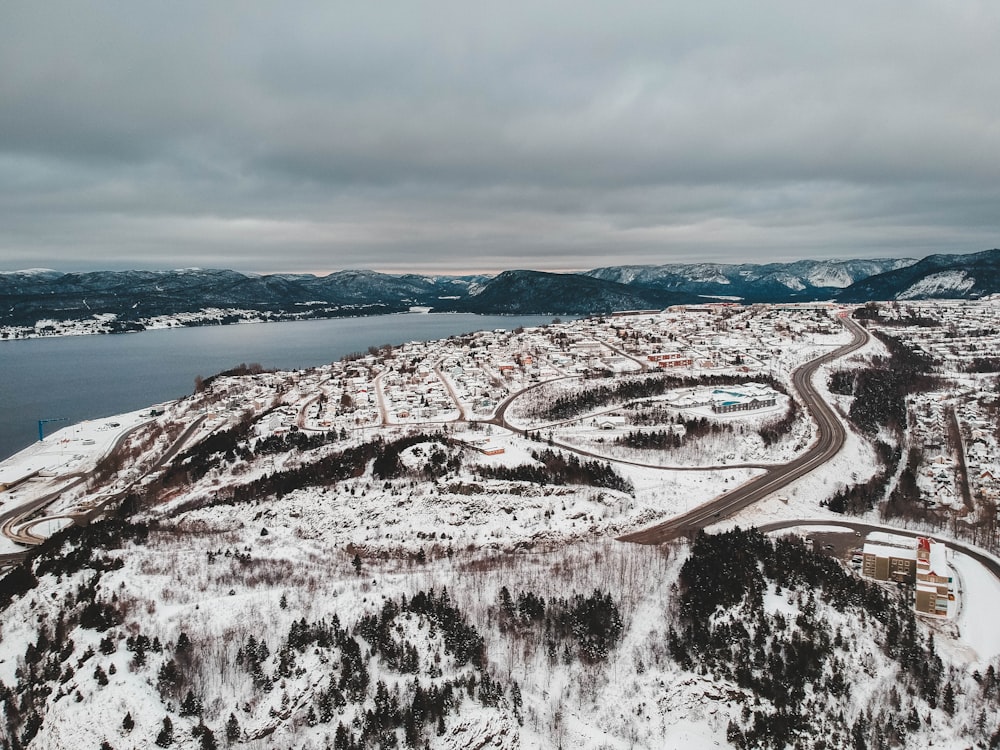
<point>752,282</point>
<point>130,297</point>
<point>935,277</point>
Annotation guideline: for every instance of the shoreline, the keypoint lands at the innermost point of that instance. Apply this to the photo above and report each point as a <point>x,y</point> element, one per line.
<point>69,376</point>
<point>78,327</point>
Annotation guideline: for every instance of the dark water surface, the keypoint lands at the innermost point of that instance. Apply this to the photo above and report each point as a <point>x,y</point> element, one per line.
<point>86,377</point>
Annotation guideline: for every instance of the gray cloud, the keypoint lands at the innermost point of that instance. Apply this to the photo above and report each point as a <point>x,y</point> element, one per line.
<point>462,136</point>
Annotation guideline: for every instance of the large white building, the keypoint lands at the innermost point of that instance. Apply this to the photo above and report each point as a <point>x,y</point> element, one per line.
<point>922,562</point>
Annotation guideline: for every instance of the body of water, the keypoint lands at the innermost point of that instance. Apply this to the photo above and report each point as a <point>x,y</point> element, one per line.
<point>86,377</point>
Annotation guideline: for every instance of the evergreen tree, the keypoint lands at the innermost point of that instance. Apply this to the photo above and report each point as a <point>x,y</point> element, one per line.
<point>168,678</point>
<point>191,706</point>
<point>232,729</point>
<point>411,733</point>
<point>128,723</point>
<point>948,700</point>
<point>342,740</point>
<point>166,736</point>
<point>516,702</point>
<point>206,737</point>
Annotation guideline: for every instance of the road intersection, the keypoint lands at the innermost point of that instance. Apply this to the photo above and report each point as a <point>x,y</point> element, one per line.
<point>828,444</point>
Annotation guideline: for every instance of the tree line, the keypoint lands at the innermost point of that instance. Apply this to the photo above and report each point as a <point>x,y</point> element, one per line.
<point>554,467</point>
<point>583,400</point>
<point>795,662</point>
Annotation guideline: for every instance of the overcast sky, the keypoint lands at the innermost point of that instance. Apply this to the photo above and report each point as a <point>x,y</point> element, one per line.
<point>466,136</point>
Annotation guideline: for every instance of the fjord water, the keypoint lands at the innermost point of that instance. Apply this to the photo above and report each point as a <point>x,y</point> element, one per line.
<point>86,377</point>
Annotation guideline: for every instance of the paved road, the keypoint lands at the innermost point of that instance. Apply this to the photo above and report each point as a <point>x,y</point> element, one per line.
<point>643,365</point>
<point>13,517</point>
<point>831,439</point>
<point>963,470</point>
<point>500,419</point>
<point>380,399</point>
<point>500,416</point>
<point>990,563</point>
<point>451,392</point>
<point>16,516</point>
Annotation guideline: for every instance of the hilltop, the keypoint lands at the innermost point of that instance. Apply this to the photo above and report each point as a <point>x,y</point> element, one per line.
<point>414,546</point>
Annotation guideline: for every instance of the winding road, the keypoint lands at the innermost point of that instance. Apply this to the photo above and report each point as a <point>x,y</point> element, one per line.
<point>830,441</point>
<point>12,520</point>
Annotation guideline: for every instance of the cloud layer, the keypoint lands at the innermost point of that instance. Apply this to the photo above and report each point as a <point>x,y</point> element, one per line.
<point>456,136</point>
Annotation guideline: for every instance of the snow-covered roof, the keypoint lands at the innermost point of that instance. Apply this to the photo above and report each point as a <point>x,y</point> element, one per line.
<point>884,550</point>
<point>937,562</point>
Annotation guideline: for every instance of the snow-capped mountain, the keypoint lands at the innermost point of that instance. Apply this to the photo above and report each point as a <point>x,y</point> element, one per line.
<point>751,282</point>
<point>130,300</point>
<point>935,277</point>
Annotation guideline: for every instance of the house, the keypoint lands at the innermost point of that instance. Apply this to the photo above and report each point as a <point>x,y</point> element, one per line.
<point>610,422</point>
<point>728,407</point>
<point>487,447</point>
<point>748,397</point>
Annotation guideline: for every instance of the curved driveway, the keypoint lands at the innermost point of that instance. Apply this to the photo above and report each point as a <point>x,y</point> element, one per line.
<point>831,439</point>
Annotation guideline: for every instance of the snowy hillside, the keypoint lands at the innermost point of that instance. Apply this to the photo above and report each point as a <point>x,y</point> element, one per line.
<point>415,547</point>
<point>943,284</point>
<point>176,635</point>
<point>970,276</point>
<point>804,279</point>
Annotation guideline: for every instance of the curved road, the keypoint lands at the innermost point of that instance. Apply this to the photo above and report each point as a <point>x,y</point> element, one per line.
<point>831,439</point>
<point>499,417</point>
<point>16,516</point>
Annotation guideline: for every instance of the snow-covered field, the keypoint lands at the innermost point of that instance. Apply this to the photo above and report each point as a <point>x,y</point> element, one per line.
<point>979,612</point>
<point>70,448</point>
<point>225,559</point>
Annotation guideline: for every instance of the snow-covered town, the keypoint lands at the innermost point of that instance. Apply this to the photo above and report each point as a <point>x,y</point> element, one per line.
<point>521,376</point>
<point>505,461</point>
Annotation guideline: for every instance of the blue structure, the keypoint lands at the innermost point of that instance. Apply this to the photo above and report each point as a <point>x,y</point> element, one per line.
<point>41,426</point>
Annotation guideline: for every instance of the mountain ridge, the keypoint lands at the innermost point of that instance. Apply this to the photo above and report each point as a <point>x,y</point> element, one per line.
<point>936,276</point>
<point>125,299</point>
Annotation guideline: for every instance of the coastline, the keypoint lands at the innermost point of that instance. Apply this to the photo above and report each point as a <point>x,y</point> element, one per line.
<point>93,327</point>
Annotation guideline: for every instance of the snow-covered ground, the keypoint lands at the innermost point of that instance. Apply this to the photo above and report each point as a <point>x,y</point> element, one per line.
<point>979,615</point>
<point>222,570</point>
<point>70,448</point>
<point>58,464</point>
